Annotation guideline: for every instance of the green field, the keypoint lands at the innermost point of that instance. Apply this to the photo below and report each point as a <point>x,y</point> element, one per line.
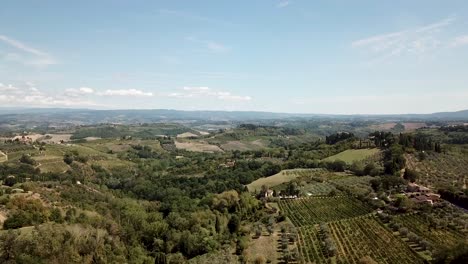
<point>351,155</point>
<point>279,178</point>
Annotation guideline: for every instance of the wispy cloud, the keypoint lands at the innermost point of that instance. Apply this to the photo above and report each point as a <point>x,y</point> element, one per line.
<point>418,40</point>
<point>30,56</point>
<point>206,92</point>
<point>127,92</point>
<point>212,46</point>
<point>283,4</point>
<point>459,41</point>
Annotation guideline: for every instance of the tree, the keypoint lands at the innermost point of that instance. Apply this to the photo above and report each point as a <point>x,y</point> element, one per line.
<point>27,159</point>
<point>270,229</point>
<point>56,215</point>
<point>367,260</point>
<point>234,224</point>
<point>410,175</point>
<point>403,231</point>
<point>68,159</point>
<point>260,260</point>
<point>10,181</point>
<point>358,168</point>
<point>371,169</point>
<point>258,230</point>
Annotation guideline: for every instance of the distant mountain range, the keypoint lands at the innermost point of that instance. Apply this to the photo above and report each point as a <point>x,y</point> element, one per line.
<point>89,116</point>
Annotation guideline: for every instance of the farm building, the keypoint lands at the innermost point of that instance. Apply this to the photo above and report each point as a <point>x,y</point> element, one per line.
<point>413,187</point>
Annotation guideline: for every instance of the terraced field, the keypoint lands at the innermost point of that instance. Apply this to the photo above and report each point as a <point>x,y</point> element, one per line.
<point>309,211</point>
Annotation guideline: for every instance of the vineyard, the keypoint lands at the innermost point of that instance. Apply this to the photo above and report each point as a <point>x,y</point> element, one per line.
<point>354,239</point>
<point>309,211</point>
<point>342,229</point>
<point>319,189</point>
<point>355,185</point>
<point>440,170</point>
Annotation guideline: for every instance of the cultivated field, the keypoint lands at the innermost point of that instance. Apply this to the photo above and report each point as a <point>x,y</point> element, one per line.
<point>354,239</point>
<point>351,155</point>
<point>243,145</point>
<point>309,211</point>
<point>197,146</point>
<point>187,135</point>
<point>47,138</point>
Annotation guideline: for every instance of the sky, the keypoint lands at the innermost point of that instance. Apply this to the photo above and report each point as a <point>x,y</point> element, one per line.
<point>293,56</point>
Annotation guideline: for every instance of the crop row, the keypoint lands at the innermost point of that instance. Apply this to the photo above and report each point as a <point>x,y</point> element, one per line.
<point>309,211</point>
<point>355,239</point>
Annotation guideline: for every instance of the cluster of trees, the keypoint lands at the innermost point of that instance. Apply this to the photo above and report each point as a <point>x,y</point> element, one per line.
<point>289,236</point>
<point>382,139</point>
<point>337,137</point>
<point>25,212</point>
<point>74,155</point>
<point>361,168</point>
<point>456,197</point>
<point>419,142</point>
<point>58,243</point>
<point>327,240</point>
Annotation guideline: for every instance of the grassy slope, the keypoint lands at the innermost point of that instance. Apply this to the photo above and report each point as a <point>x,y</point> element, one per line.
<point>351,155</point>
<point>279,178</point>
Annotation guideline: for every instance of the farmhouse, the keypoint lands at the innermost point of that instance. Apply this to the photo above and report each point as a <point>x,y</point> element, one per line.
<point>420,199</point>
<point>413,187</point>
<point>228,164</point>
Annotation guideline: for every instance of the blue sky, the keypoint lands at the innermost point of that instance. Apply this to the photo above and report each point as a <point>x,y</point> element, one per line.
<point>347,57</point>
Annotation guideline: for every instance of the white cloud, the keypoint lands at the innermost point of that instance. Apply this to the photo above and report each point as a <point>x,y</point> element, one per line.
<point>283,4</point>
<point>459,41</point>
<point>29,95</point>
<point>86,90</point>
<point>418,40</point>
<point>127,92</point>
<point>216,47</point>
<point>82,91</point>
<point>212,46</point>
<point>29,56</point>
<point>205,92</point>
<point>197,89</point>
